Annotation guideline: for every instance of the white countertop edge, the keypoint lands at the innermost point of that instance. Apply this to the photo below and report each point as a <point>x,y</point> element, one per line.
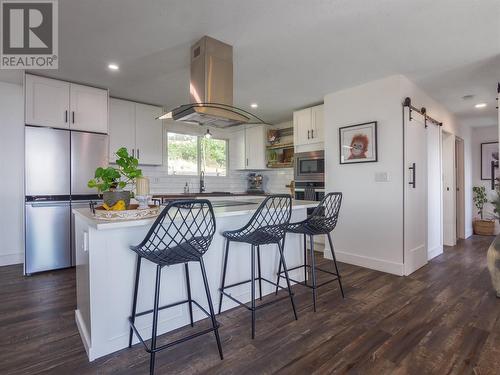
<point>220,212</point>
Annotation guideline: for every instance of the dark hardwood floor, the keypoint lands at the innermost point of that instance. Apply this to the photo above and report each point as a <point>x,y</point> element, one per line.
<point>443,319</point>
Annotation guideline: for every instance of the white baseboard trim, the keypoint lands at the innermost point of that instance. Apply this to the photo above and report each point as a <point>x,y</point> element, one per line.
<point>431,254</point>
<point>9,259</point>
<point>368,262</point>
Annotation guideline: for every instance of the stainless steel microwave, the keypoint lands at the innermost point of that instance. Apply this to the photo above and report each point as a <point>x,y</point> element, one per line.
<point>310,166</point>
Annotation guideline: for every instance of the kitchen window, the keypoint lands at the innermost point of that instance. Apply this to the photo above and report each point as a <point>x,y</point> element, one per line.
<point>191,154</point>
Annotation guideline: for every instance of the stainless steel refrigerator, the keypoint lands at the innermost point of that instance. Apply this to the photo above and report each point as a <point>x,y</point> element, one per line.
<point>58,164</point>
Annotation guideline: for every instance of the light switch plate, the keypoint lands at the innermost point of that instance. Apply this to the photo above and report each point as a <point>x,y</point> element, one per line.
<point>382,177</point>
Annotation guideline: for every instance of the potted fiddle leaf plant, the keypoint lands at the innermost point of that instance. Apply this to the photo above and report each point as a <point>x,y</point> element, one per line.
<point>482,226</point>
<point>111,181</point>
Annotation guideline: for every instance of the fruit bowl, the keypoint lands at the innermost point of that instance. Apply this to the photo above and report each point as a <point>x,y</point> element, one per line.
<point>132,213</point>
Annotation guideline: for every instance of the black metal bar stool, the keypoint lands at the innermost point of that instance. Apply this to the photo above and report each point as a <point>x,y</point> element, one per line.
<point>267,226</point>
<point>182,233</point>
<point>321,221</point>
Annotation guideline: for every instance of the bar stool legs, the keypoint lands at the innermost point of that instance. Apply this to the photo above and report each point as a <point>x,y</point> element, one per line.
<point>313,269</point>
<point>313,272</point>
<point>215,326</point>
<point>155,321</point>
<point>223,283</point>
<point>255,253</point>
<point>188,287</point>
<point>335,263</point>
<point>252,282</point>
<point>134,302</point>
<point>285,269</point>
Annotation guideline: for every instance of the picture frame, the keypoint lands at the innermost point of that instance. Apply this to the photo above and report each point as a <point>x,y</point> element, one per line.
<point>358,143</point>
<point>489,153</point>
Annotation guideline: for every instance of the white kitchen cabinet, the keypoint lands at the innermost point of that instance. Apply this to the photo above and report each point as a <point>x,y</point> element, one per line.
<point>317,116</point>
<point>121,126</point>
<point>148,134</point>
<point>237,154</point>
<point>46,102</point>
<point>247,148</point>
<point>64,105</point>
<point>255,146</point>
<point>134,126</point>
<point>308,126</point>
<point>89,109</point>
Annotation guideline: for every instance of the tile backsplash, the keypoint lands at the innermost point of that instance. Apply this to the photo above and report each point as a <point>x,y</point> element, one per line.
<point>235,181</point>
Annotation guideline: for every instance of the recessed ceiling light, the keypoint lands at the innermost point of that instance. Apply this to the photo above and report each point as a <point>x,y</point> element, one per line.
<point>480,105</point>
<point>468,97</point>
<point>113,67</point>
<point>254,105</point>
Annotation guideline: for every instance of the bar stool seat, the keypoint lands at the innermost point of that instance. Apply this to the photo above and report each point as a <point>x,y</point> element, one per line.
<point>181,234</point>
<point>267,226</point>
<point>185,252</point>
<point>322,221</point>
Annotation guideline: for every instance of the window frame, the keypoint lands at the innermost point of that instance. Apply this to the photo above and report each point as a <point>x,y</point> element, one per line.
<point>198,154</point>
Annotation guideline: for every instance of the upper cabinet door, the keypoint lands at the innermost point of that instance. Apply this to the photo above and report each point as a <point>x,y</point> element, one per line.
<point>317,123</point>
<point>255,146</point>
<point>302,127</point>
<point>121,126</point>
<point>237,155</point>
<point>148,134</point>
<point>89,109</point>
<point>47,102</point>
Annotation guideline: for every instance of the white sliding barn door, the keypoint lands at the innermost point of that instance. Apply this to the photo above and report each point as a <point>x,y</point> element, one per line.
<point>415,193</point>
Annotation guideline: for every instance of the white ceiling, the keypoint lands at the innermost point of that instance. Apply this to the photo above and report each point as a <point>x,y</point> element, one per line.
<point>287,53</point>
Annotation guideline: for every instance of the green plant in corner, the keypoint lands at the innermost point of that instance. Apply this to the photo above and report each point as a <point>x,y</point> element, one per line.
<point>480,199</point>
<point>111,178</point>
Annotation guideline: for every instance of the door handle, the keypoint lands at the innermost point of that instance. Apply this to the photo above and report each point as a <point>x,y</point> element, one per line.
<point>66,116</point>
<point>308,137</point>
<point>138,157</point>
<point>413,181</point>
<point>312,133</point>
<point>73,117</point>
<point>493,166</point>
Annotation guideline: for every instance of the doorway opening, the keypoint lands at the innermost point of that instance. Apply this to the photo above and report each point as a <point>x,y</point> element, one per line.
<point>449,189</point>
<point>460,189</point>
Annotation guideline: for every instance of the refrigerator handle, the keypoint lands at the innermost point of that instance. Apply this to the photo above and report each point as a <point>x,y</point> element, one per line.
<point>66,116</point>
<point>133,153</point>
<point>138,157</point>
<point>73,117</point>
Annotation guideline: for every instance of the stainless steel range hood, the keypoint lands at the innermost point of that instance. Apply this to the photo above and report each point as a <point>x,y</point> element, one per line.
<point>211,88</point>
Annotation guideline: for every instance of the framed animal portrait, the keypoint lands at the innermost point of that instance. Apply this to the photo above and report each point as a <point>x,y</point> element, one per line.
<point>489,153</point>
<point>358,143</point>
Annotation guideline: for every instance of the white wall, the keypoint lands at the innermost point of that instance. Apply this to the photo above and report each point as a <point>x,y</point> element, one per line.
<point>370,229</point>
<point>482,135</point>
<point>12,171</point>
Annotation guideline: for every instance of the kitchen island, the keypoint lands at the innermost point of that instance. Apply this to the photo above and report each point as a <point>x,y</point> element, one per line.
<point>105,268</point>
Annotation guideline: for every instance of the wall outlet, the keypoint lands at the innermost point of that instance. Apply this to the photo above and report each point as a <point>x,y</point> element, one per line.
<point>382,177</point>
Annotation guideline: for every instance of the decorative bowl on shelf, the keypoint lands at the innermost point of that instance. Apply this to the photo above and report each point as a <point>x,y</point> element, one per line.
<point>133,213</point>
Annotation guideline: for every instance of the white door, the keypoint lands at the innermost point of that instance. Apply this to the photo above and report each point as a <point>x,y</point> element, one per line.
<point>237,154</point>
<point>317,114</point>
<point>255,147</point>
<point>121,126</point>
<point>415,194</point>
<point>148,134</point>
<point>47,102</point>
<point>302,127</point>
<point>89,109</point>
<point>449,190</point>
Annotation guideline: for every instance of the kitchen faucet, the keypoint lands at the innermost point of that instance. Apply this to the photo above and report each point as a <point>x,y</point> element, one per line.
<point>202,182</point>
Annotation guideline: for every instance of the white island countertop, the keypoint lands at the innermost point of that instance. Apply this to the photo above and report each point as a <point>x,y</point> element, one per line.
<point>220,211</point>
<point>105,271</point>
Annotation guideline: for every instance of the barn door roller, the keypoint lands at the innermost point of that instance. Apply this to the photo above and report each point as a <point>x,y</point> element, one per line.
<point>422,111</point>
